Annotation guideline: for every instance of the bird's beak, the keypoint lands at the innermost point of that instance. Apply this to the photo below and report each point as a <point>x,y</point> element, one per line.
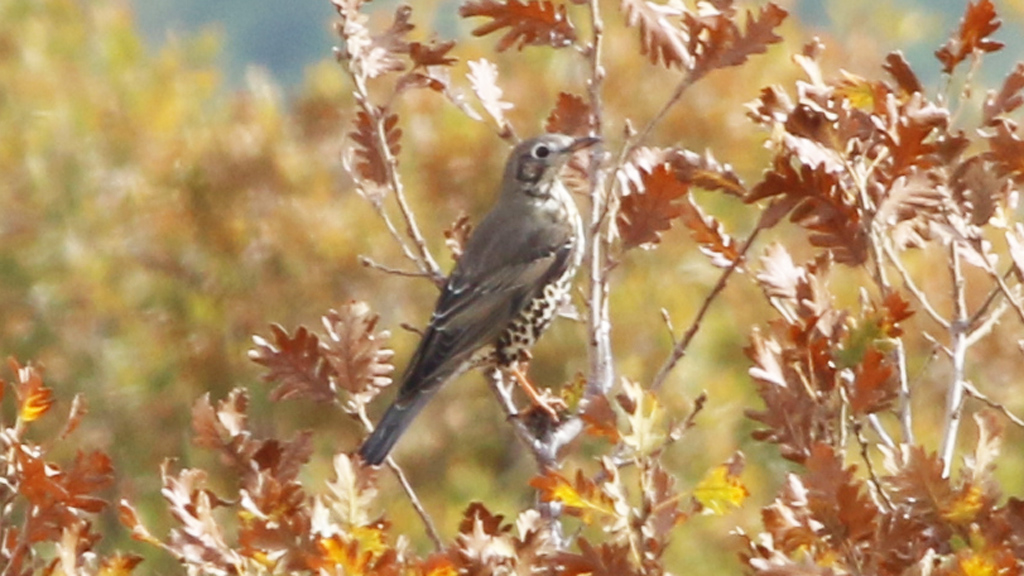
<point>581,143</point>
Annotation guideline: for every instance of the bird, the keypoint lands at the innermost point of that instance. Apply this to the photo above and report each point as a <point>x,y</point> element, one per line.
<point>514,272</point>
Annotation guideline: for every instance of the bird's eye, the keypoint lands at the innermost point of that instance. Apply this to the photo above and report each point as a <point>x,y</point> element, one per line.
<point>541,151</point>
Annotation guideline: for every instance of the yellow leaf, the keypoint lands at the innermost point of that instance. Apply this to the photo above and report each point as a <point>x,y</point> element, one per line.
<point>964,508</point>
<point>977,565</point>
<point>720,490</point>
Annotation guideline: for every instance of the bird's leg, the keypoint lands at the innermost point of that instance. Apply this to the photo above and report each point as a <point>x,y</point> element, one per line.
<point>536,397</point>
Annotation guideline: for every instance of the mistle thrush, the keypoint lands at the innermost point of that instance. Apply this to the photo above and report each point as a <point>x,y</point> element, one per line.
<point>516,269</point>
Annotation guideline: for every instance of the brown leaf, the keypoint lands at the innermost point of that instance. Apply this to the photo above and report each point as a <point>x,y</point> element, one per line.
<point>897,67</point>
<point>529,23</point>
<point>599,419</point>
<point>483,77</point>
<point>721,43</point>
<point>373,56</point>
<point>874,388</point>
<point>709,234</point>
<point>296,363</point>
<point>979,191</point>
<point>607,559</point>
<point>662,37</point>
<point>1006,149</point>
<point>355,351</point>
<point>705,172</point>
<point>978,23</point>
<point>1008,99</point>
<point>650,207</point>
<point>571,116</point>
<point>433,54</point>
<point>371,160</point>
<point>34,398</point>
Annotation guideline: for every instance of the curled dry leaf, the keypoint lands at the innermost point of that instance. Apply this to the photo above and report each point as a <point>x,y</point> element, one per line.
<point>529,23</point>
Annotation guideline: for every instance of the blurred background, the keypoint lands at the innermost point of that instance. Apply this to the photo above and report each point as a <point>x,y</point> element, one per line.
<point>172,185</point>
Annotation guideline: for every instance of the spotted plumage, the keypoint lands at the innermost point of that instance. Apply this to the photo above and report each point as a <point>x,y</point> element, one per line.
<point>516,270</point>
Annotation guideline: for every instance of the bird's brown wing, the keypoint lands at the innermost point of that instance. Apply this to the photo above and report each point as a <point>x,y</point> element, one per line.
<point>479,302</point>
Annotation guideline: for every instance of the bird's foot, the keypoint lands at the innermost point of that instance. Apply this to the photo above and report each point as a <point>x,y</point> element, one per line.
<point>543,400</point>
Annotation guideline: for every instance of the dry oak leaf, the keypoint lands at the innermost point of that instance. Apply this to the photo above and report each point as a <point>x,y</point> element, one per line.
<point>978,23</point>
<point>710,235</point>
<point>721,44</point>
<point>433,54</point>
<point>296,363</point>
<point>721,490</point>
<point>898,67</point>
<point>34,398</point>
<point>371,159</point>
<point>607,559</point>
<point>1009,97</point>
<point>662,36</point>
<point>571,116</point>
<point>356,351</point>
<point>530,23</point>
<point>650,207</point>
<point>582,498</point>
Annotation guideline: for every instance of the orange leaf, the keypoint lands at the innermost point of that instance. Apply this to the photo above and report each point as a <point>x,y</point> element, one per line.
<point>34,399</point>
<point>582,498</point>
<point>531,23</point>
<point>979,22</point>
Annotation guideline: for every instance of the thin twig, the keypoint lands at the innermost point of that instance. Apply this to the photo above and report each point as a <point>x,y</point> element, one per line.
<point>871,468</point>
<point>1007,293</point>
<point>908,281</point>
<point>958,344</point>
<point>679,350</point>
<point>428,522</point>
<point>989,324</point>
<point>641,136</point>
<point>975,393</point>
<point>370,263</point>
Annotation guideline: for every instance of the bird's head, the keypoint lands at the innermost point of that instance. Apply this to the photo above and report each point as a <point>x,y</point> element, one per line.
<point>534,164</point>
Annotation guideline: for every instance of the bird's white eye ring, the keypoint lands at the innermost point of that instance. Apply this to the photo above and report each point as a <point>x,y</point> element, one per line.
<point>541,151</point>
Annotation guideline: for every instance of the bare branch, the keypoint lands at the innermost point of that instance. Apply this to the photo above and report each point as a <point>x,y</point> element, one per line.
<point>958,344</point>
<point>370,263</point>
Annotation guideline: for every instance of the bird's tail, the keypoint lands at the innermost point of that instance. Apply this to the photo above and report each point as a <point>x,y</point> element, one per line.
<point>397,418</point>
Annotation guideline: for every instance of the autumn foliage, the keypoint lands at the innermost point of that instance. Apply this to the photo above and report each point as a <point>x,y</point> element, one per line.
<point>878,253</point>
